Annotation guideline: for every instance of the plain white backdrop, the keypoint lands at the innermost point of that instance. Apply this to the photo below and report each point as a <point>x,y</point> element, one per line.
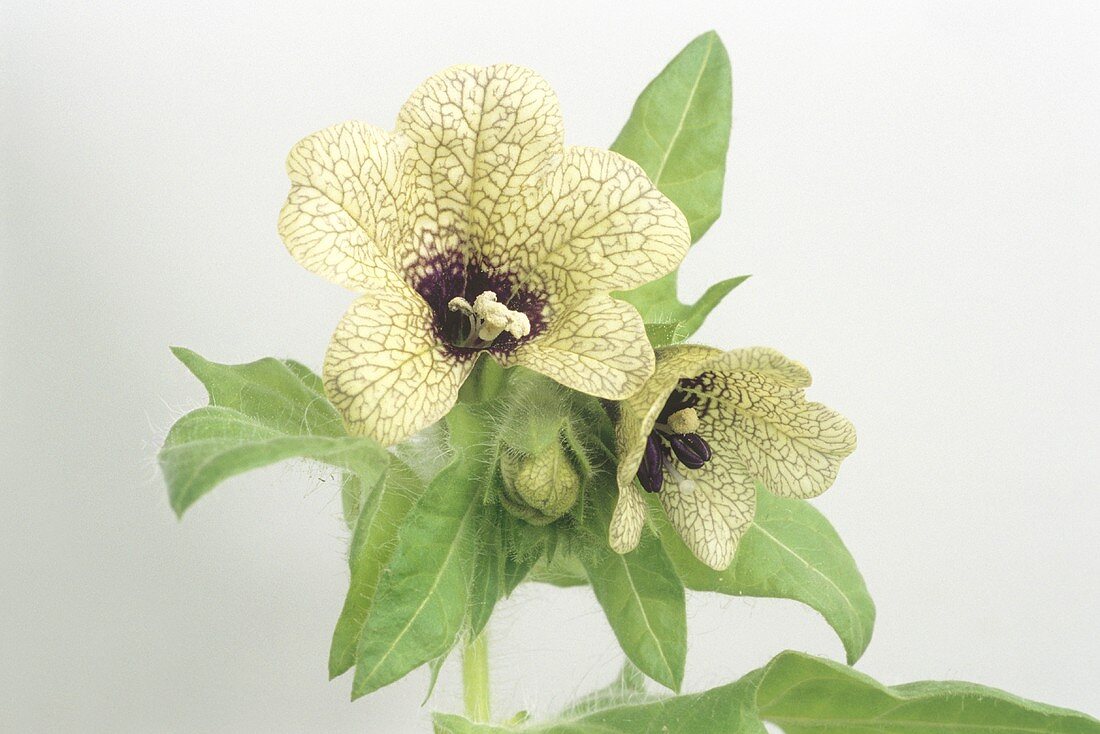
<point>914,187</point>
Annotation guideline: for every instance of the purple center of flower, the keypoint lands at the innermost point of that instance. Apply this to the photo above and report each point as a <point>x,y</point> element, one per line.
<point>664,446</point>
<point>452,275</point>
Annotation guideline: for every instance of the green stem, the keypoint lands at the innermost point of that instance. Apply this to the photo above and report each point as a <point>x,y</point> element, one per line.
<point>475,678</point>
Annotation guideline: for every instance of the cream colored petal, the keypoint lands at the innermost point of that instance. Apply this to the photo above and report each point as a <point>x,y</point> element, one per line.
<point>479,136</point>
<point>637,414</point>
<point>598,347</point>
<point>799,453</point>
<point>595,224</point>
<point>385,371</point>
<point>627,519</point>
<point>712,517</point>
<point>792,446</point>
<point>346,216</point>
<point>767,362</point>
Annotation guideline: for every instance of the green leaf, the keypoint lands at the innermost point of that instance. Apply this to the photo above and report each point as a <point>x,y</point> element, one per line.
<point>807,695</point>
<point>725,710</point>
<point>351,498</point>
<point>421,602</point>
<point>434,668</point>
<point>790,552</point>
<point>563,570</point>
<point>678,132</point>
<point>667,320</point>
<point>372,546</point>
<point>802,694</point>
<point>643,600</point>
<point>488,585</point>
<point>260,413</point>
<point>628,688</point>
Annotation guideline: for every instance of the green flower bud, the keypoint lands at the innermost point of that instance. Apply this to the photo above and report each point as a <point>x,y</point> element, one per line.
<point>542,487</point>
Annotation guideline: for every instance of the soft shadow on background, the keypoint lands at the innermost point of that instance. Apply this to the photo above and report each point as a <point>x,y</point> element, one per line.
<point>912,185</point>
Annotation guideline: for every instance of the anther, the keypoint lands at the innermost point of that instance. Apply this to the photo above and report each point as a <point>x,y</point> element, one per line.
<point>685,420</point>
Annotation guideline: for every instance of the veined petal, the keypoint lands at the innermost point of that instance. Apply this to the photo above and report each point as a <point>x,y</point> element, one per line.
<point>385,370</point>
<point>627,520</point>
<point>479,136</point>
<point>596,224</point>
<point>598,347</point>
<point>793,447</point>
<point>346,215</point>
<point>767,362</point>
<point>637,414</point>
<point>797,453</point>
<point>712,517</point>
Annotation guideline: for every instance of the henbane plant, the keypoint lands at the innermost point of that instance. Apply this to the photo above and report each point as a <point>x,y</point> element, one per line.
<point>510,398</point>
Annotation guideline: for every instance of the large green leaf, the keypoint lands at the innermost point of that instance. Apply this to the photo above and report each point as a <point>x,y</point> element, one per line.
<point>802,694</point>
<point>790,552</point>
<point>372,545</point>
<point>643,600</point>
<point>260,413</point>
<point>806,695</point>
<point>678,132</point>
<point>422,597</point>
<point>725,710</point>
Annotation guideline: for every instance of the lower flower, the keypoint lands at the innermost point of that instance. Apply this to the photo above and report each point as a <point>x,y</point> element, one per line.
<point>706,429</point>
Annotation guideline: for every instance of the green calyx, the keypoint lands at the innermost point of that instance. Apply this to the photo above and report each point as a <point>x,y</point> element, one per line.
<point>543,457</point>
<point>542,487</point>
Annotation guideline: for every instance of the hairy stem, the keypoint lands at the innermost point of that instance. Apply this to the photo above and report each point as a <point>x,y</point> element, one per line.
<point>475,678</point>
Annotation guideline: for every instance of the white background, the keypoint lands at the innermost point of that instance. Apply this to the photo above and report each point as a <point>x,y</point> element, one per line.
<point>913,186</point>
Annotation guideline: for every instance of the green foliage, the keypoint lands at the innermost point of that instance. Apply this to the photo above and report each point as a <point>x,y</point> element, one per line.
<point>725,710</point>
<point>372,545</point>
<point>806,695</point>
<point>667,320</point>
<point>803,694</point>
<point>643,600</point>
<point>790,552</point>
<point>422,598</point>
<point>678,132</point>
<point>627,689</point>
<point>562,571</point>
<point>260,413</point>
<point>491,567</point>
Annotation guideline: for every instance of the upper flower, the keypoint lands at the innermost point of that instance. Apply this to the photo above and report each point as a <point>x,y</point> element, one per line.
<point>472,227</point>
<point>706,428</point>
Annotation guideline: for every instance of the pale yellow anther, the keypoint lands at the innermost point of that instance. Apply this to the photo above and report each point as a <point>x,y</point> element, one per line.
<point>490,317</point>
<point>685,420</point>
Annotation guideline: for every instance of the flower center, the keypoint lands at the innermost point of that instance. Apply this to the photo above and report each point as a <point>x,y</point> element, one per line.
<point>674,444</point>
<point>488,317</point>
<point>476,306</point>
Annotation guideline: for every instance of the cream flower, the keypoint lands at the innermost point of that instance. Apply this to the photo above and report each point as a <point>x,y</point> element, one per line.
<point>472,228</point>
<point>706,428</point>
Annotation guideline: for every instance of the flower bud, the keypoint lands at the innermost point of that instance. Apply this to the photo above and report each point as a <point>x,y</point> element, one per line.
<point>542,487</point>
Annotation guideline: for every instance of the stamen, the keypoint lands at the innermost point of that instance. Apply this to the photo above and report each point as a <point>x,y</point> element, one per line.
<point>692,451</point>
<point>650,472</point>
<point>489,318</point>
<point>685,420</point>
